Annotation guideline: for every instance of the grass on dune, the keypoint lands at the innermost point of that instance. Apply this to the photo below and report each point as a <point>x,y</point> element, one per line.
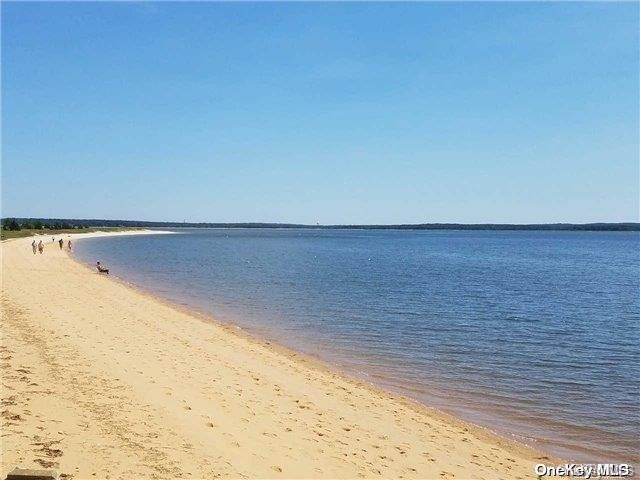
<point>29,232</point>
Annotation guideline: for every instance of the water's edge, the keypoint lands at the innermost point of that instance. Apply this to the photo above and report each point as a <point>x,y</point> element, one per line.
<point>516,441</point>
<point>434,401</point>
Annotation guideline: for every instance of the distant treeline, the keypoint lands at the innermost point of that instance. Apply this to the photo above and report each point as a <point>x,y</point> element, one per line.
<point>17,224</point>
<point>60,223</point>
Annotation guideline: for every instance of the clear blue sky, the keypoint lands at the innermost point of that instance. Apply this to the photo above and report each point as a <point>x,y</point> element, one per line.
<point>330,113</point>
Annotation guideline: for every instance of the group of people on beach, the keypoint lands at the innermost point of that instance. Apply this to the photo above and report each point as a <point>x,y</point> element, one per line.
<point>39,247</point>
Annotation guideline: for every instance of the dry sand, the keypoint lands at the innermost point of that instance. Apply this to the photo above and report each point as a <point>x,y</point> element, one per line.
<point>103,381</point>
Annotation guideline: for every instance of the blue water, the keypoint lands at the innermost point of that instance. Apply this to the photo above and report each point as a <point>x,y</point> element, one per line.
<point>535,334</point>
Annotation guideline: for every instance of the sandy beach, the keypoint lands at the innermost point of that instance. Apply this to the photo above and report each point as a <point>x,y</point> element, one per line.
<point>103,381</point>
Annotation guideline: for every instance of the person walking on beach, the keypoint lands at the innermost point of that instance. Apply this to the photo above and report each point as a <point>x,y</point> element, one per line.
<point>69,245</point>
<point>34,247</point>
<point>40,247</point>
<point>61,243</point>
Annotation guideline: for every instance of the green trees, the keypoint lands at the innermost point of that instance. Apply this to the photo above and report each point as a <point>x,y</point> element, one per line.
<point>14,224</point>
<point>10,224</point>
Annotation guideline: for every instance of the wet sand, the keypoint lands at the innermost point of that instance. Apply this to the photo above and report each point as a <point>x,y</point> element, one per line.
<point>104,381</point>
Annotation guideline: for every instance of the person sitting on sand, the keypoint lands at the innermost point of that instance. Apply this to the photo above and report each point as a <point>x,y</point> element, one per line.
<point>102,268</point>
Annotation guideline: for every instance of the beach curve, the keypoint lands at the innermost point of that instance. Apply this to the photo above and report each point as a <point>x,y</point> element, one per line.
<point>101,380</point>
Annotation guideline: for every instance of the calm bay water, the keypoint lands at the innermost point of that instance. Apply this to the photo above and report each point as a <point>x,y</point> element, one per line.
<point>534,334</point>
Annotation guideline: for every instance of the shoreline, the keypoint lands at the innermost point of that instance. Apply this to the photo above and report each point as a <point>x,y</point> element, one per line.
<point>309,367</point>
<point>316,362</point>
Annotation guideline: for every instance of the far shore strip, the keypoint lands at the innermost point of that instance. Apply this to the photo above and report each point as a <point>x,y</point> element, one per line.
<point>104,381</point>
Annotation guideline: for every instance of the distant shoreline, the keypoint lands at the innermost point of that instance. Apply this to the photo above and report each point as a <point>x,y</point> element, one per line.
<point>94,223</point>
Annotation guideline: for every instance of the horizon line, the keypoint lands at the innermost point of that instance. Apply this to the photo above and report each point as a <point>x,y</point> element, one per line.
<point>86,222</point>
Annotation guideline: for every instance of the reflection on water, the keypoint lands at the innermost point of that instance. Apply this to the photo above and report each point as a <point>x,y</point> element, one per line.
<point>533,333</point>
